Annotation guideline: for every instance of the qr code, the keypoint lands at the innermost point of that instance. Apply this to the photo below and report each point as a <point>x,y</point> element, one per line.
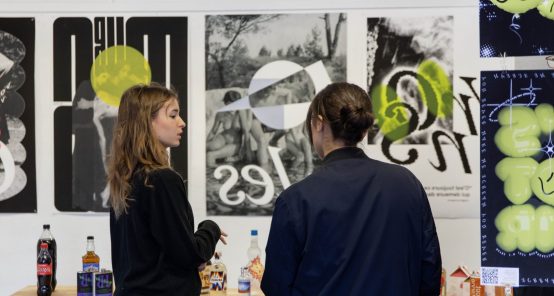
<point>489,276</point>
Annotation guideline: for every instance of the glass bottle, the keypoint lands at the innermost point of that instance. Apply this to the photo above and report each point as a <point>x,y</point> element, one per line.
<point>255,266</point>
<point>205,279</point>
<point>254,250</point>
<point>91,261</point>
<point>244,282</point>
<point>218,276</point>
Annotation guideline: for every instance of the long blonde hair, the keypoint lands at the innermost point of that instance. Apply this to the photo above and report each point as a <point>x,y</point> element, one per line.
<point>135,149</point>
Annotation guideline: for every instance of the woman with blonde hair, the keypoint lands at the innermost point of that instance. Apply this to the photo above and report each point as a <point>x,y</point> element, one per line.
<point>155,250</point>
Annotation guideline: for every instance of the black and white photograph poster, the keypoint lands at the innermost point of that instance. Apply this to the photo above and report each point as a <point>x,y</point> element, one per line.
<point>262,72</point>
<point>17,116</point>
<point>410,78</point>
<point>95,60</point>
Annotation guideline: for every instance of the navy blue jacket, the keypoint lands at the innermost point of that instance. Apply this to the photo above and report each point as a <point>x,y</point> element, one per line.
<point>356,226</point>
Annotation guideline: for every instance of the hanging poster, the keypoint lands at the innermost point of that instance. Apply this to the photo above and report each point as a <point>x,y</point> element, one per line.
<point>17,116</point>
<point>517,184</point>
<point>261,73</point>
<point>516,28</point>
<point>422,123</point>
<point>95,60</point>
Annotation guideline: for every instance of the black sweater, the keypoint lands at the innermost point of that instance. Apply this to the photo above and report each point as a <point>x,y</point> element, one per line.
<point>155,250</point>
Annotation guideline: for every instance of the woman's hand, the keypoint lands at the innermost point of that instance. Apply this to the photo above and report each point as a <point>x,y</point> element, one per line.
<point>222,237</point>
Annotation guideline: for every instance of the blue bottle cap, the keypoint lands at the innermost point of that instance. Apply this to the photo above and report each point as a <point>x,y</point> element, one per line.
<point>254,232</point>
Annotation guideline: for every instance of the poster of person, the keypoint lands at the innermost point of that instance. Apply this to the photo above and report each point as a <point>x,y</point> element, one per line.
<point>95,60</point>
<point>516,28</point>
<point>517,184</point>
<point>262,72</point>
<point>17,116</point>
<point>411,84</point>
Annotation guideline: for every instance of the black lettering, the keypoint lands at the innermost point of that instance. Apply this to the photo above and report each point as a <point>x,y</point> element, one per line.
<point>458,143</point>
<point>400,133</point>
<point>464,104</point>
<point>64,28</point>
<point>428,93</point>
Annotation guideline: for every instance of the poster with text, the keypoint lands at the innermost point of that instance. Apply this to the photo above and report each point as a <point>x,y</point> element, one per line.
<point>262,72</point>
<point>17,116</point>
<point>517,184</point>
<point>516,28</point>
<point>422,121</point>
<point>95,60</point>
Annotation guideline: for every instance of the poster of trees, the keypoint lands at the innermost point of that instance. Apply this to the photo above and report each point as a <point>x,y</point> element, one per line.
<point>261,73</point>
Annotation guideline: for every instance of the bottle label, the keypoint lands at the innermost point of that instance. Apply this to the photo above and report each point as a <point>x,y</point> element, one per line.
<point>44,269</point>
<point>244,286</point>
<point>94,267</point>
<point>205,278</point>
<point>103,283</point>
<point>84,283</point>
<point>217,281</point>
<point>256,268</point>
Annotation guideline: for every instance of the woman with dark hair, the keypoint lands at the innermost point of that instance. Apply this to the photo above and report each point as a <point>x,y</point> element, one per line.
<point>355,226</point>
<point>155,250</point>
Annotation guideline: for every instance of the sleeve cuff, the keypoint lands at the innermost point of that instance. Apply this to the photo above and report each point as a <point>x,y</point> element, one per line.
<point>210,226</point>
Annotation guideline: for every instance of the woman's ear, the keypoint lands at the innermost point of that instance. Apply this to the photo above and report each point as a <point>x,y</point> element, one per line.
<point>318,123</point>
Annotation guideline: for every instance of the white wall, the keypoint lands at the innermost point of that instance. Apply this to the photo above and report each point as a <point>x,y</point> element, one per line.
<point>459,238</point>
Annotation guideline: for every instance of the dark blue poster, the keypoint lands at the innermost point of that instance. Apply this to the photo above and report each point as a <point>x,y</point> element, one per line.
<point>517,178</point>
<point>516,27</point>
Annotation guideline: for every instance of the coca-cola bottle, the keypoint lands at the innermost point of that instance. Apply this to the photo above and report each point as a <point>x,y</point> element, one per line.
<point>48,238</point>
<point>44,271</point>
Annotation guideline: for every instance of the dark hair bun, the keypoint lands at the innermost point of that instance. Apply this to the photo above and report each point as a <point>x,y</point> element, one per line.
<point>354,121</point>
<point>347,109</point>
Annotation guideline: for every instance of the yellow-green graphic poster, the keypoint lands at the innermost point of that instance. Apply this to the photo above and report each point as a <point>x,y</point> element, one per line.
<point>517,177</point>
<point>425,114</point>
